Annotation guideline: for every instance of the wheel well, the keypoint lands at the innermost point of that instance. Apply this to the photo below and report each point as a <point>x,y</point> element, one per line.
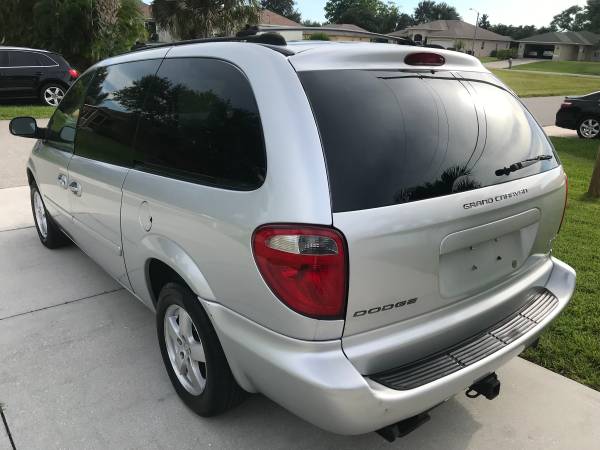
<point>64,85</point>
<point>30,179</point>
<point>160,274</point>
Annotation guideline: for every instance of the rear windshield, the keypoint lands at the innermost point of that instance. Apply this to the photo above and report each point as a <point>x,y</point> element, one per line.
<point>396,137</point>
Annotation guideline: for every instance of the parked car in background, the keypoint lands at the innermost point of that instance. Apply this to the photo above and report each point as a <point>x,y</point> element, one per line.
<point>28,74</point>
<point>581,113</point>
<point>358,232</point>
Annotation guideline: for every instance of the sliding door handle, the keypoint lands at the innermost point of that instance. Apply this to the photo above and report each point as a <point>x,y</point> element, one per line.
<point>75,188</point>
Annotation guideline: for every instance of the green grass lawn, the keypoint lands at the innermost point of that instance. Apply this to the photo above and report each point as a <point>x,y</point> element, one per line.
<point>485,59</point>
<point>579,67</point>
<point>7,112</point>
<point>571,346</point>
<point>539,85</point>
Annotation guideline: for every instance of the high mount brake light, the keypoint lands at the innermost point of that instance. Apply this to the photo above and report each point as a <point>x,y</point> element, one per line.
<point>424,59</point>
<point>305,267</point>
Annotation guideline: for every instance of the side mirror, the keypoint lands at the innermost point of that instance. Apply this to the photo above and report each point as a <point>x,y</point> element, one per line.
<point>25,127</point>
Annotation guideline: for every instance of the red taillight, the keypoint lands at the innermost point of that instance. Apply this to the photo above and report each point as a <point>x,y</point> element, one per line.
<point>74,74</point>
<point>424,59</point>
<point>565,105</point>
<point>566,199</point>
<point>305,267</point>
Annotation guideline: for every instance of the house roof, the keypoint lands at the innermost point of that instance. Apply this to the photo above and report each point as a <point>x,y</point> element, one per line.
<point>268,17</point>
<point>454,29</point>
<point>565,37</point>
<point>145,9</point>
<point>345,26</point>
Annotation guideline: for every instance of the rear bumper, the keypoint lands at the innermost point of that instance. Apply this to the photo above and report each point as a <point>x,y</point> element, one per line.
<point>316,381</point>
<point>566,119</point>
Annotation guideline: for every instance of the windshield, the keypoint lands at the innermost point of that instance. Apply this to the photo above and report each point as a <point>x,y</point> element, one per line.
<point>397,137</point>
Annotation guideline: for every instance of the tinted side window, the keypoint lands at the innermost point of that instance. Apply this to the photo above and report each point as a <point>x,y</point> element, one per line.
<point>44,60</point>
<point>201,123</point>
<point>3,59</point>
<point>110,111</point>
<point>61,128</point>
<point>23,59</point>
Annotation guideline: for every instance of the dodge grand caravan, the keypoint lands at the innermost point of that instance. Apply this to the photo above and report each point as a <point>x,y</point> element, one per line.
<point>356,231</point>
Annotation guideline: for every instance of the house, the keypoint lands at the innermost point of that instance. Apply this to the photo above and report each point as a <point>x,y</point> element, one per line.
<point>267,19</point>
<point>456,34</point>
<point>340,32</point>
<point>561,46</point>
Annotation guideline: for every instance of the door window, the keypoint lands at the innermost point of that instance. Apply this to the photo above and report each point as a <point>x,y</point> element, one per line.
<point>3,59</point>
<point>201,124</point>
<point>23,59</point>
<point>61,128</point>
<point>109,115</point>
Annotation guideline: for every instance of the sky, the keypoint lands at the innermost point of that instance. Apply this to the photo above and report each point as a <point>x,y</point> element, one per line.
<point>515,12</point>
<point>508,12</point>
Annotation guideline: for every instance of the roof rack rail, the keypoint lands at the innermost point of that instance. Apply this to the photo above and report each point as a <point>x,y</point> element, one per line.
<point>274,41</point>
<point>399,39</point>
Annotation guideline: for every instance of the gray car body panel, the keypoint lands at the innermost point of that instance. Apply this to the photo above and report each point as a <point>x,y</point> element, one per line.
<point>318,369</point>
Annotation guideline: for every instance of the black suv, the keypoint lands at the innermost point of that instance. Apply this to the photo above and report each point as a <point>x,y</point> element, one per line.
<point>27,73</point>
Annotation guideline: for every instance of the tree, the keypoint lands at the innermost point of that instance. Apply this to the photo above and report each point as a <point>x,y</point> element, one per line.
<point>592,12</point>
<point>83,31</point>
<point>594,189</point>
<point>189,19</point>
<point>571,19</point>
<point>286,8</point>
<point>311,23</point>
<point>404,21</point>
<point>429,10</point>
<point>484,22</point>
<point>372,15</point>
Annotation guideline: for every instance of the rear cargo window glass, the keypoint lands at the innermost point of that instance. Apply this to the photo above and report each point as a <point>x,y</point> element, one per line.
<point>392,137</point>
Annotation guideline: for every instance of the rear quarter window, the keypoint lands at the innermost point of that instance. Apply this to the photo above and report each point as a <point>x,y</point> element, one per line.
<point>394,137</point>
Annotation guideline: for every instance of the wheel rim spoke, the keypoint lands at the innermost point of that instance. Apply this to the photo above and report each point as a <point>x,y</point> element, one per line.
<point>185,349</point>
<point>197,352</point>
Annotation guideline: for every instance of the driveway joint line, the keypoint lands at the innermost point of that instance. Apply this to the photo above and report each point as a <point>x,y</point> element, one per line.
<point>7,428</point>
<point>16,229</point>
<point>61,304</point>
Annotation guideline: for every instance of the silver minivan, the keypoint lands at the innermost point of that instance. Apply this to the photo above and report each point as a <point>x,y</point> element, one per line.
<point>357,231</point>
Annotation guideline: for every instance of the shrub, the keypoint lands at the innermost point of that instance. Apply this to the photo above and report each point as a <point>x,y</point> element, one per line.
<point>506,53</point>
<point>319,37</point>
<point>494,53</point>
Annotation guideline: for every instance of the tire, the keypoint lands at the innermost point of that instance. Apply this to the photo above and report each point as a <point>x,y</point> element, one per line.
<point>207,388</point>
<point>51,94</point>
<point>49,233</point>
<point>589,128</point>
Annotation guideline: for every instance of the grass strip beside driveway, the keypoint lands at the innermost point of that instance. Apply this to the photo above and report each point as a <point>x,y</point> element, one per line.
<point>8,112</point>
<point>578,67</point>
<point>571,346</point>
<point>531,84</point>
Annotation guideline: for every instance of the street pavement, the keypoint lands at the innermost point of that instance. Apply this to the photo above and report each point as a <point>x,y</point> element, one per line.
<point>80,369</point>
<point>503,64</point>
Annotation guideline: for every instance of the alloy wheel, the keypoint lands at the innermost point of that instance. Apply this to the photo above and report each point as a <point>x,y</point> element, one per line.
<point>185,349</point>
<point>590,128</point>
<point>40,214</point>
<point>53,95</point>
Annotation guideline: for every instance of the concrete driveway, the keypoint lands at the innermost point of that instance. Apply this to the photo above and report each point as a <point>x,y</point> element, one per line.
<point>80,368</point>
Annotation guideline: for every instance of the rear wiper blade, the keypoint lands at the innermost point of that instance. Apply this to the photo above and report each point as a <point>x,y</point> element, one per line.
<point>521,164</point>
